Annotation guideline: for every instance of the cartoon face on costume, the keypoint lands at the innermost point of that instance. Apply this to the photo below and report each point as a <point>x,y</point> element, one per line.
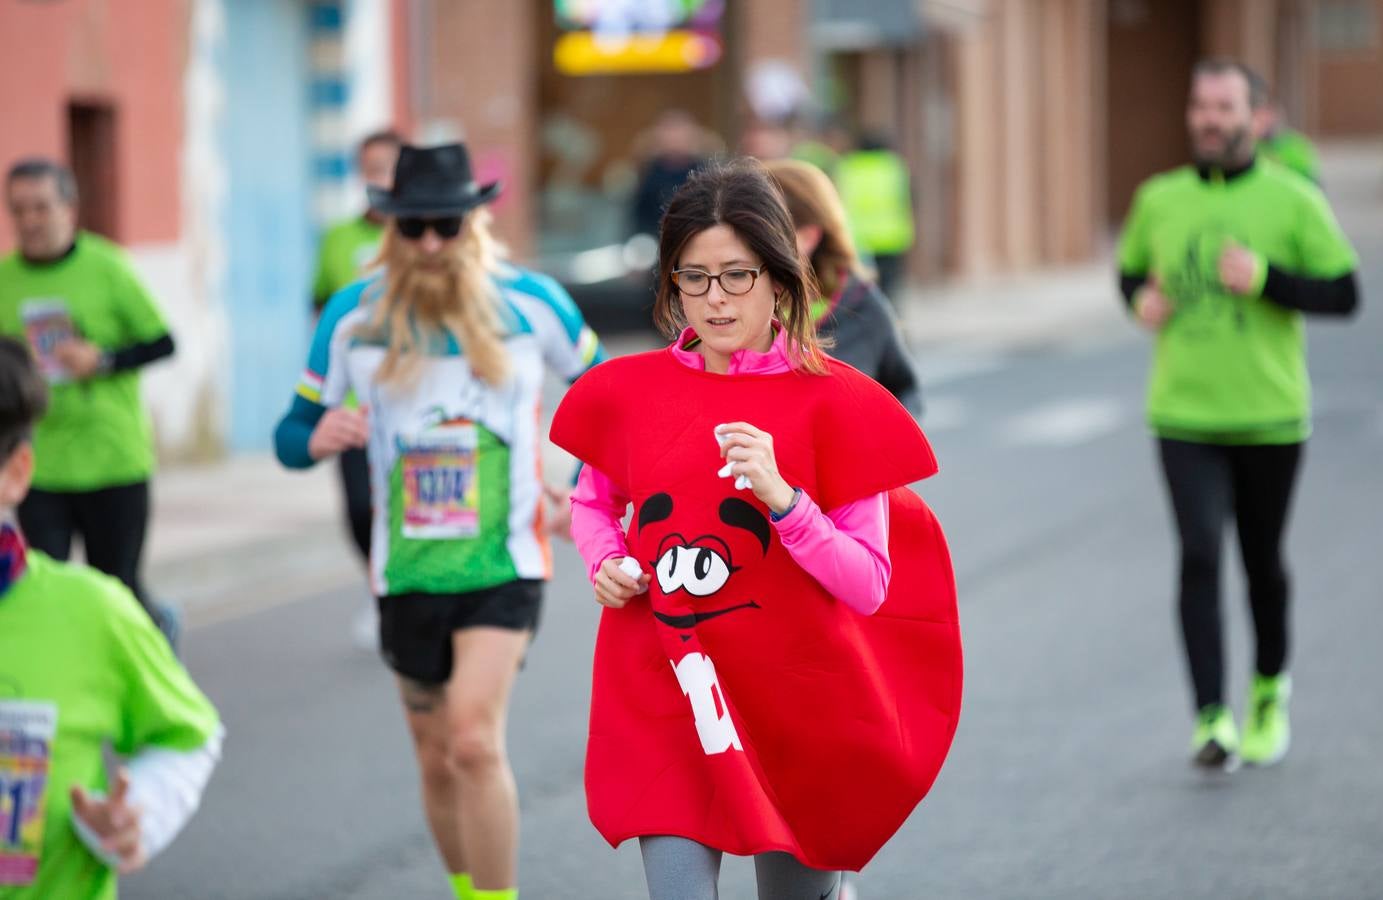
<point>695,558</point>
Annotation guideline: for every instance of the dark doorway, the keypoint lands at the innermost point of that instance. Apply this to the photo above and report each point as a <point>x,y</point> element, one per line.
<point>1152,46</point>
<point>91,148</point>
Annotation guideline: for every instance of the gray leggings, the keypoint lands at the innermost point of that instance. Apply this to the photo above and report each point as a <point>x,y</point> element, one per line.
<point>682,869</point>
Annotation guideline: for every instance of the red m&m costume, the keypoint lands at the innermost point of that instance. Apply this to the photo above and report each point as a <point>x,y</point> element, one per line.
<point>737,703</point>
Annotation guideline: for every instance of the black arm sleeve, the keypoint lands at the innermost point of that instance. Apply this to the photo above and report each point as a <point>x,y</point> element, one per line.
<point>898,376</point>
<point>136,355</point>
<point>1323,296</point>
<point>1129,285</point>
<point>896,371</point>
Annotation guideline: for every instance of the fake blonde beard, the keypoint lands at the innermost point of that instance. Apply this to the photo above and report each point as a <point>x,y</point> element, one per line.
<point>455,294</point>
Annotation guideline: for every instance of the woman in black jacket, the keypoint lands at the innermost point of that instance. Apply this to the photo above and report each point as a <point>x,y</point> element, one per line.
<point>852,310</point>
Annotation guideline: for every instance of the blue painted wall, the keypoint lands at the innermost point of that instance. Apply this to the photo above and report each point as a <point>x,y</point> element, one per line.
<point>269,225</point>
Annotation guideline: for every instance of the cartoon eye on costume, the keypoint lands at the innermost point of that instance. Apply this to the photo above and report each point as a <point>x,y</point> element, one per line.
<point>693,567</point>
<point>667,570</point>
<point>705,571</point>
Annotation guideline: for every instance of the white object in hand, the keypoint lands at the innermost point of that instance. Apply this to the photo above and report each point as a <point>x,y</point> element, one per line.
<point>741,481</point>
<point>630,566</point>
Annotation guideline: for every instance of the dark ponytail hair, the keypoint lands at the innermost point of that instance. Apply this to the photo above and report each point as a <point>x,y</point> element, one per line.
<point>741,194</point>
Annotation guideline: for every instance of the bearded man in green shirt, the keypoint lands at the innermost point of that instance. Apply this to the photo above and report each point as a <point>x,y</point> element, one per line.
<point>1219,260</point>
<point>92,326</point>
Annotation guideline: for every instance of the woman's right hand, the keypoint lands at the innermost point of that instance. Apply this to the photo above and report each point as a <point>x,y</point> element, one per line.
<point>614,587</point>
<point>339,429</point>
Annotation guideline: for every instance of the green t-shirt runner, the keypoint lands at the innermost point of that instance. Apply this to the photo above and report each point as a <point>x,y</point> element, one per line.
<point>1227,368</point>
<point>347,248</point>
<point>81,665</point>
<point>97,433</point>
<point>1293,150</point>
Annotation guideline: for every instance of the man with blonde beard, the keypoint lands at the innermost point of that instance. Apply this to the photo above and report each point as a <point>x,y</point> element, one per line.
<point>445,349</point>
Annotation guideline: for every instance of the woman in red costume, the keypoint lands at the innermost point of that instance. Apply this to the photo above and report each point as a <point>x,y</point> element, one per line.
<point>778,667</point>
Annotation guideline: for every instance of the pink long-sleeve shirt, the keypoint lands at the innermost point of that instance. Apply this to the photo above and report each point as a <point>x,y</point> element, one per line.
<point>845,549</point>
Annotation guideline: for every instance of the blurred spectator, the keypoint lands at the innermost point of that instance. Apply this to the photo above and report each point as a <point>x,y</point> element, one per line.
<point>93,326</point>
<point>1276,140</point>
<point>675,154</point>
<point>765,140</point>
<point>877,192</point>
<point>349,245</point>
<point>822,145</point>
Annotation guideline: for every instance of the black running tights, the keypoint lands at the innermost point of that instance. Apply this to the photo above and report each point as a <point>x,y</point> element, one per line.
<point>355,491</point>
<point>1206,483</point>
<point>111,522</point>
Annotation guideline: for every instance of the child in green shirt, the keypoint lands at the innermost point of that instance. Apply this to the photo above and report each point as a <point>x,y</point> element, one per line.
<point>81,666</point>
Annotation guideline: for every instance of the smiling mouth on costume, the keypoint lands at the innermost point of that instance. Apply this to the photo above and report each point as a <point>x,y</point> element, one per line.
<point>692,619</point>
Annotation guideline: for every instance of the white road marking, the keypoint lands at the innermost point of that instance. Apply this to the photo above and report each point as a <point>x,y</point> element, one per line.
<point>938,369</point>
<point>944,413</point>
<point>1064,423</point>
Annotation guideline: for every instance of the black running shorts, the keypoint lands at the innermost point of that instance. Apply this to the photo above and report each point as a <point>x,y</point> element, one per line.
<point>415,629</point>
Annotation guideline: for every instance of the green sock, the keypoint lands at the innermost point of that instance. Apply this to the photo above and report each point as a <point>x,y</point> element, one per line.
<point>506,894</point>
<point>461,886</point>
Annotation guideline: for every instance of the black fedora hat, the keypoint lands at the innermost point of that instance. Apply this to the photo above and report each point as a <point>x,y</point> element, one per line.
<point>432,181</point>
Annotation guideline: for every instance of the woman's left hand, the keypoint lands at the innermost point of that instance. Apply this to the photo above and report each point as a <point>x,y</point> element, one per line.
<point>749,451</point>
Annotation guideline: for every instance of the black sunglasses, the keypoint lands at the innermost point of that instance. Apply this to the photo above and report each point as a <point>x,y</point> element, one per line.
<point>414,228</point>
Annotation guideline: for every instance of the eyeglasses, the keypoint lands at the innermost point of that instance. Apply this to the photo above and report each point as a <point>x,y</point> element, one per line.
<point>694,282</point>
<point>414,228</point>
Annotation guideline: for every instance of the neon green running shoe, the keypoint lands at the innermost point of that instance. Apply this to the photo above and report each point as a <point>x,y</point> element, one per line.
<point>1267,734</point>
<point>1215,743</point>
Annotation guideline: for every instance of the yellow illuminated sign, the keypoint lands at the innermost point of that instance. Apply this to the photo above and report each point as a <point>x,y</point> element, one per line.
<point>589,53</point>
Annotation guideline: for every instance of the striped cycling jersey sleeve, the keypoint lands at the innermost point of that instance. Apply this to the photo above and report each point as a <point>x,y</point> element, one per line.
<point>569,345</point>
<point>322,357</point>
<point>323,382</point>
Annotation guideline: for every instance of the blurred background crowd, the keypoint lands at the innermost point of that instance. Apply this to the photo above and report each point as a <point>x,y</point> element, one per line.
<point>216,139</point>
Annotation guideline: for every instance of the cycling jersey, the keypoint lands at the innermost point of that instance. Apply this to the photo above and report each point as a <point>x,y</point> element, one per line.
<point>454,461</point>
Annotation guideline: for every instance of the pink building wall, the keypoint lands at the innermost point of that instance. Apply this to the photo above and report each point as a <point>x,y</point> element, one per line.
<point>53,53</point>
<point>401,41</point>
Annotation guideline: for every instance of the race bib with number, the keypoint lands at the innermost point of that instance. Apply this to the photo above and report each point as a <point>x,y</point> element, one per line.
<point>441,499</point>
<point>27,729</point>
<point>47,323</point>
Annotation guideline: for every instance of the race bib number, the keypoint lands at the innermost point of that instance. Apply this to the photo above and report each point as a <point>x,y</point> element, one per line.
<point>27,729</point>
<point>441,499</point>
<point>47,323</point>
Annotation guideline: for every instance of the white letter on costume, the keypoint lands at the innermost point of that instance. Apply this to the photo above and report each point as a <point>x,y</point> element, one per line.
<point>697,676</point>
